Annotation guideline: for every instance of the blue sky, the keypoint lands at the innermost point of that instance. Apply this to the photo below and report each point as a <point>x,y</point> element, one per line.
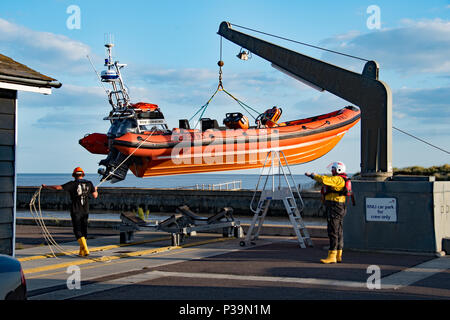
<point>172,49</point>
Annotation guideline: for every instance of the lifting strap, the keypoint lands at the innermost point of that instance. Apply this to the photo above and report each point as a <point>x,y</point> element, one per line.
<point>220,87</point>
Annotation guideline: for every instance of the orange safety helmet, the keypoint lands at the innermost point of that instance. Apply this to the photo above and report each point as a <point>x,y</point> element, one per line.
<point>77,171</point>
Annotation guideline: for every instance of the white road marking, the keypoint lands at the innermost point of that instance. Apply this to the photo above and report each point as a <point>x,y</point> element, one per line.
<point>417,273</point>
<point>313,281</point>
<point>392,282</point>
<point>96,287</point>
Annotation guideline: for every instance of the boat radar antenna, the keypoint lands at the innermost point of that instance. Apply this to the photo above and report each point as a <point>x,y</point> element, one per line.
<point>118,97</point>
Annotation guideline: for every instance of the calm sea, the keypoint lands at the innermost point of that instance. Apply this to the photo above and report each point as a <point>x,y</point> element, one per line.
<point>249,181</point>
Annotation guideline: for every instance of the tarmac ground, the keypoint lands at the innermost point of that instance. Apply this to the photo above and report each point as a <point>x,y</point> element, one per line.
<point>209,268</point>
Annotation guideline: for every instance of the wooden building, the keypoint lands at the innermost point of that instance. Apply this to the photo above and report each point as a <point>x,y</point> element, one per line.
<point>14,77</point>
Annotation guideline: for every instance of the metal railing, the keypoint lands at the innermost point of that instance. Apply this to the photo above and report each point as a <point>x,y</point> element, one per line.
<point>232,185</point>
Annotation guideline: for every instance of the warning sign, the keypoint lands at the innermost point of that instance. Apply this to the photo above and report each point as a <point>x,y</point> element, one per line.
<point>381,209</point>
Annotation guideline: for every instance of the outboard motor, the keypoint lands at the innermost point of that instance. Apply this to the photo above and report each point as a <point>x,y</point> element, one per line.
<point>112,172</point>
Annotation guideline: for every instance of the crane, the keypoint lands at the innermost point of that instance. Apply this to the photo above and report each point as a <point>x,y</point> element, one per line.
<point>365,90</point>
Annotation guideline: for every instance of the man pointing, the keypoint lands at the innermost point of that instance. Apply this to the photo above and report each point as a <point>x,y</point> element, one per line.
<point>335,192</point>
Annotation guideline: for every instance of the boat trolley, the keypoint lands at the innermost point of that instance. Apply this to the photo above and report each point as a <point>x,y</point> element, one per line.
<point>183,223</point>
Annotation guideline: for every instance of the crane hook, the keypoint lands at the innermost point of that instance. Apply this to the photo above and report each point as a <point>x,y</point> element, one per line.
<point>220,63</point>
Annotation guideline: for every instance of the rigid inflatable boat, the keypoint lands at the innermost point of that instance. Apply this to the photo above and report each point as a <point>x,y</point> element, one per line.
<point>140,140</point>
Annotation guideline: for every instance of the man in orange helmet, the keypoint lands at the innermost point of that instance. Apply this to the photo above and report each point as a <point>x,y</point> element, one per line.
<point>79,190</point>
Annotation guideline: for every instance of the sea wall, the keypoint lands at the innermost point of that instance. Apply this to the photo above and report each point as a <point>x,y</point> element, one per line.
<point>165,200</point>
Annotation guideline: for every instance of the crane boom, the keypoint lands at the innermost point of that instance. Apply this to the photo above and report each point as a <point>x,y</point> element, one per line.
<point>364,90</point>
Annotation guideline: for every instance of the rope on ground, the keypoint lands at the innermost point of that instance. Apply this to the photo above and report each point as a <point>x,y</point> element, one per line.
<point>37,215</point>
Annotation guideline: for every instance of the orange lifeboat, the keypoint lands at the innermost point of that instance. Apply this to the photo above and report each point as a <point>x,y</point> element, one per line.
<point>184,151</point>
<point>140,140</point>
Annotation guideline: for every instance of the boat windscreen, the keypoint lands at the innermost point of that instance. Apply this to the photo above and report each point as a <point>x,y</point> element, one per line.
<point>112,132</point>
<point>127,125</point>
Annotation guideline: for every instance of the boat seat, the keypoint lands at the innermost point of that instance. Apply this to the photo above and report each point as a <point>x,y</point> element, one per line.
<point>207,123</point>
<point>184,124</point>
<point>226,212</point>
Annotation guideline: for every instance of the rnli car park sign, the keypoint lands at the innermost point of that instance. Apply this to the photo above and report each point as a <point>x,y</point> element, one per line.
<point>381,209</point>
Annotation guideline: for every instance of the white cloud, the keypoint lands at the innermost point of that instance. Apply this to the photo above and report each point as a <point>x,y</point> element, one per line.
<point>415,47</point>
<point>202,78</point>
<point>424,110</point>
<point>172,75</point>
<point>190,88</point>
<point>423,104</point>
<point>67,121</point>
<point>69,95</point>
<point>44,50</point>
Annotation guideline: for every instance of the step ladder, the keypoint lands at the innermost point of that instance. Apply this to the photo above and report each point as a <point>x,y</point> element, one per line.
<point>275,172</point>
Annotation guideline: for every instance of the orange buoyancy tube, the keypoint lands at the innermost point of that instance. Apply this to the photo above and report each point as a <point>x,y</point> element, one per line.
<point>96,143</point>
<point>271,117</point>
<point>236,121</point>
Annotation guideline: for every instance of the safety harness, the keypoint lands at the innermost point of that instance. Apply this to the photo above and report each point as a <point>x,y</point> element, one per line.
<point>346,191</point>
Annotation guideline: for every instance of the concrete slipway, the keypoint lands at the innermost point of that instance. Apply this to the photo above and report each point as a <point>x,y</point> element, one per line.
<point>209,267</point>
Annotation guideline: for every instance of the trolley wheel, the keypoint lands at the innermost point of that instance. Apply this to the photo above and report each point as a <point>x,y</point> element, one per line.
<point>242,243</point>
<point>126,237</point>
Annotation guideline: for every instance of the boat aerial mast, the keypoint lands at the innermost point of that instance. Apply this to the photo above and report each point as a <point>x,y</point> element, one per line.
<point>118,97</point>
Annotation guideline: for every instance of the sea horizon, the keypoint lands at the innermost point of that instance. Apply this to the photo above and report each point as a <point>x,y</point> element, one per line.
<point>248,180</point>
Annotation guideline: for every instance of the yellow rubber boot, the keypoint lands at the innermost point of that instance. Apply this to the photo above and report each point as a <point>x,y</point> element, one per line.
<point>339,256</point>
<point>331,257</point>
<point>81,253</point>
<point>85,247</point>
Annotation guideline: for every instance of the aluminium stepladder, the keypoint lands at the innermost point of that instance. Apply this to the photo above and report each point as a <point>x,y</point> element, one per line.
<point>274,168</point>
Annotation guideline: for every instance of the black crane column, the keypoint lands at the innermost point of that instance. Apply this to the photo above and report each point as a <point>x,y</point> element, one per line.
<point>372,96</point>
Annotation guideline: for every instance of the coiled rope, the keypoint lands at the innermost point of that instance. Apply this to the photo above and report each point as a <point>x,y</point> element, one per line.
<point>37,215</point>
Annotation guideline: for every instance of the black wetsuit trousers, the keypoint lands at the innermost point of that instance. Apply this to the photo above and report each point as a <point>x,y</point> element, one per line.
<point>79,224</point>
<point>335,220</point>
